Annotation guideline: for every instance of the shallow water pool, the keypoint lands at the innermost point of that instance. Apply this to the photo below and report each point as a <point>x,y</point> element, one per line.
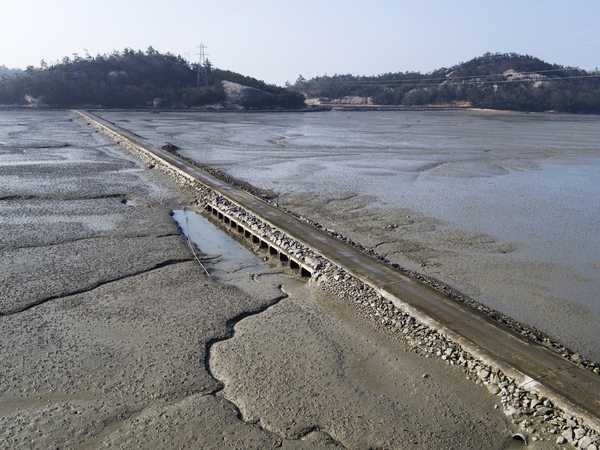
<point>212,241</point>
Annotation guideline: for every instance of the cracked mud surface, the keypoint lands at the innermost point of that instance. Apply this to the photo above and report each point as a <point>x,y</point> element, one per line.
<point>106,319</point>
<point>34,275</point>
<point>328,370</point>
<point>107,324</point>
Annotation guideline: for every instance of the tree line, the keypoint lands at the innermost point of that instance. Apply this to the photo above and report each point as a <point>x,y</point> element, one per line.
<point>6,72</point>
<point>132,79</point>
<point>495,80</point>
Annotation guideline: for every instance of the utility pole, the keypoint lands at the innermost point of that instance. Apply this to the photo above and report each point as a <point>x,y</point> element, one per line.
<point>201,63</point>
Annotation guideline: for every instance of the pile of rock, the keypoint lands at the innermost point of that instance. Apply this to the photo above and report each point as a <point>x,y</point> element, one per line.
<point>535,415</point>
<point>238,95</point>
<point>199,190</point>
<point>347,100</point>
<point>524,329</point>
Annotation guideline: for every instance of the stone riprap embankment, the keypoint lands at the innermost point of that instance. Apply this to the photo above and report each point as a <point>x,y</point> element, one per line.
<point>520,404</point>
<point>522,328</point>
<point>535,414</point>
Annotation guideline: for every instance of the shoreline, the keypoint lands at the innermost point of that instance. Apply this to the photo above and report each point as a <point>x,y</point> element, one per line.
<point>522,328</point>
<point>316,108</point>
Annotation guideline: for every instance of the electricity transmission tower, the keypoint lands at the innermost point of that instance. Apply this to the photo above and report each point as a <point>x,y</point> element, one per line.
<point>202,63</point>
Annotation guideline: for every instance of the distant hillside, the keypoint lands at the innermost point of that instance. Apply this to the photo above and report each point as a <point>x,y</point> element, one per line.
<point>133,79</point>
<point>5,72</point>
<point>496,81</point>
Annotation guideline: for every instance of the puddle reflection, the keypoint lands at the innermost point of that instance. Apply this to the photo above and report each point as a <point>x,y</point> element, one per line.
<point>212,241</point>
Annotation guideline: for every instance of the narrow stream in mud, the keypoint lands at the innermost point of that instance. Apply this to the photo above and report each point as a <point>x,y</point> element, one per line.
<point>226,252</point>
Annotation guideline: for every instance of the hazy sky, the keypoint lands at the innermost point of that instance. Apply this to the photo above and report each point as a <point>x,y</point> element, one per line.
<point>276,41</point>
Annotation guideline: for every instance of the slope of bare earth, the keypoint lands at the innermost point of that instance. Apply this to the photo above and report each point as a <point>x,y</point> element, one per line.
<point>112,336</point>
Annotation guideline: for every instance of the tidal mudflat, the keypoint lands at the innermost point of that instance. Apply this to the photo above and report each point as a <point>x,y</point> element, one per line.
<point>502,206</point>
<point>112,335</point>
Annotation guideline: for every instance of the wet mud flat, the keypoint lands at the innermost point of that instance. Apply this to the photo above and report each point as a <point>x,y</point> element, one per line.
<point>500,206</point>
<point>112,335</point>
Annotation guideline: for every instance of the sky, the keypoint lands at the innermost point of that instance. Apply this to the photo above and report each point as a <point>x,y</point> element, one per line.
<point>276,41</point>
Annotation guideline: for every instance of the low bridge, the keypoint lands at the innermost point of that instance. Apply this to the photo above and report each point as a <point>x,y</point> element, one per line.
<point>273,249</point>
<point>532,366</point>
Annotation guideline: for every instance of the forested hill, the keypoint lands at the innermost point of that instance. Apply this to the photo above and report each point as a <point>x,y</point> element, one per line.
<point>133,79</point>
<point>496,81</point>
<point>5,72</point>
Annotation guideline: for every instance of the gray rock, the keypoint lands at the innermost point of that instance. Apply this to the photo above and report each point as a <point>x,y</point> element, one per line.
<point>315,263</point>
<point>35,102</point>
<point>494,389</point>
<point>237,93</point>
<point>543,411</point>
<point>512,412</point>
<point>576,358</point>
<point>584,443</point>
<point>568,435</point>
<point>579,433</point>
<point>561,440</point>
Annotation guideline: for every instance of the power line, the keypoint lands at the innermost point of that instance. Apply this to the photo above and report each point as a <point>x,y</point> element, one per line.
<point>563,35</point>
<point>514,81</point>
<point>419,83</point>
<point>567,45</point>
<point>418,80</point>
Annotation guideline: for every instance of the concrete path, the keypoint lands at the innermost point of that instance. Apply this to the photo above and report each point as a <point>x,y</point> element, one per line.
<point>533,366</point>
